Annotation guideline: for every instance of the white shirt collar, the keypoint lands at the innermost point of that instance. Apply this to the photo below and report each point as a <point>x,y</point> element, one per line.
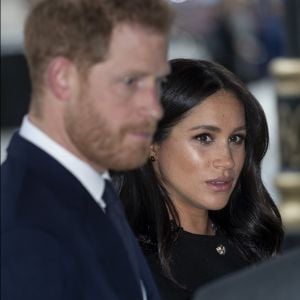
<point>89,178</point>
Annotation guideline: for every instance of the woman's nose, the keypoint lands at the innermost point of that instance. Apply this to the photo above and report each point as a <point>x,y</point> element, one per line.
<point>224,158</point>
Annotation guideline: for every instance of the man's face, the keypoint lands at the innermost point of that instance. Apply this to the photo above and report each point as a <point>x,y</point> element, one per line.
<point>113,112</point>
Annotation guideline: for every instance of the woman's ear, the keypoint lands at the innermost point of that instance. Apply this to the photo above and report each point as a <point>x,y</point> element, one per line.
<point>154,151</point>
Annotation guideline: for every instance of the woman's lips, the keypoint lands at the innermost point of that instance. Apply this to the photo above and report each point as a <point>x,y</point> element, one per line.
<point>220,185</point>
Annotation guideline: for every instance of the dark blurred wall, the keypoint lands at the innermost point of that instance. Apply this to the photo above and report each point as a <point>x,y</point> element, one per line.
<point>15,89</point>
<point>292,20</point>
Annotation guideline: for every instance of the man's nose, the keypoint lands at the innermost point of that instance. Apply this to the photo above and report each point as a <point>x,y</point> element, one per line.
<point>152,103</point>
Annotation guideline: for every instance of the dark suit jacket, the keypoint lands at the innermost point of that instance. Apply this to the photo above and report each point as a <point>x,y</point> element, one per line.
<point>56,241</point>
<point>278,279</point>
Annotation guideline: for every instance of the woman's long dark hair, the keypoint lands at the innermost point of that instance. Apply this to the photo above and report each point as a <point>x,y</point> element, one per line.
<point>250,220</point>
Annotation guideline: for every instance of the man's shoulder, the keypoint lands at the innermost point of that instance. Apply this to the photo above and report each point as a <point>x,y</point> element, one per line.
<point>31,197</point>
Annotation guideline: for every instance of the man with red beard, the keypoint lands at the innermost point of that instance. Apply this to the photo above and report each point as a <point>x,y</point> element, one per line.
<point>96,68</point>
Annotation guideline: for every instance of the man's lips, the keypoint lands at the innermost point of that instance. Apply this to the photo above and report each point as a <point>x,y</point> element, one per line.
<point>145,131</point>
<point>143,134</point>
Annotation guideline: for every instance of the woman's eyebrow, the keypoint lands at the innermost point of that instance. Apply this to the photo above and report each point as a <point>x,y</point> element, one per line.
<point>206,127</point>
<point>216,128</point>
<point>240,128</point>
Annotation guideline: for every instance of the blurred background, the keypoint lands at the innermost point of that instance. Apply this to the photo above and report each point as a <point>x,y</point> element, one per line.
<point>259,40</point>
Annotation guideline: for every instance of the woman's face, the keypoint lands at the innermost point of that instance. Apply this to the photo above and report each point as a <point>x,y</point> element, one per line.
<point>200,161</point>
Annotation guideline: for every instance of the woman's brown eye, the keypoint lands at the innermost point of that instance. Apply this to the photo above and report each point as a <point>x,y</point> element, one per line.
<point>204,138</point>
<point>237,139</point>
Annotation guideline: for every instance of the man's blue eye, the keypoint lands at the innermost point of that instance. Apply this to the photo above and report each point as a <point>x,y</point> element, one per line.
<point>129,81</point>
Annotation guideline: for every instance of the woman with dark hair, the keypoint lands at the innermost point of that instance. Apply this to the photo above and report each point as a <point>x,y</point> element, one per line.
<point>199,207</point>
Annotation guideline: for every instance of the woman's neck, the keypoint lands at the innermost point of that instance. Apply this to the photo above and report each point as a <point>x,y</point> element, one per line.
<point>197,223</point>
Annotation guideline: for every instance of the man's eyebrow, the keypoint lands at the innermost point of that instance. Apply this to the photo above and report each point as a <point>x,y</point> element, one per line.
<point>141,74</point>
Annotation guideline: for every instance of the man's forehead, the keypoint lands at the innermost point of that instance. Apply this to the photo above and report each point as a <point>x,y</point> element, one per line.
<point>133,34</point>
<point>138,50</point>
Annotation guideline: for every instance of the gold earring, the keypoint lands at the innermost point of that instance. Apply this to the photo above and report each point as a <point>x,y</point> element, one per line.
<point>152,158</point>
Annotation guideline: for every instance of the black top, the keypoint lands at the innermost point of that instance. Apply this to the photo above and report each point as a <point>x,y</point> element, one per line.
<point>195,262</point>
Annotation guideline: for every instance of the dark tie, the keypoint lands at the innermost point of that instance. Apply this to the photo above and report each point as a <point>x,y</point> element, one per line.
<point>113,208</point>
<point>115,212</point>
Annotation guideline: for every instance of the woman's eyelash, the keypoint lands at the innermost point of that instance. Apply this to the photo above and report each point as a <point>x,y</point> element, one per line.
<point>238,138</point>
<point>204,138</point>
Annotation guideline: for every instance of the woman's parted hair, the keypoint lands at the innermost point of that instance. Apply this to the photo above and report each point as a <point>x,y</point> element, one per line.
<point>251,219</point>
<point>81,29</point>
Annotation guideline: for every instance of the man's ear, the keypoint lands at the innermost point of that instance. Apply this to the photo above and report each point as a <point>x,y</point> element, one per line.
<point>59,73</point>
